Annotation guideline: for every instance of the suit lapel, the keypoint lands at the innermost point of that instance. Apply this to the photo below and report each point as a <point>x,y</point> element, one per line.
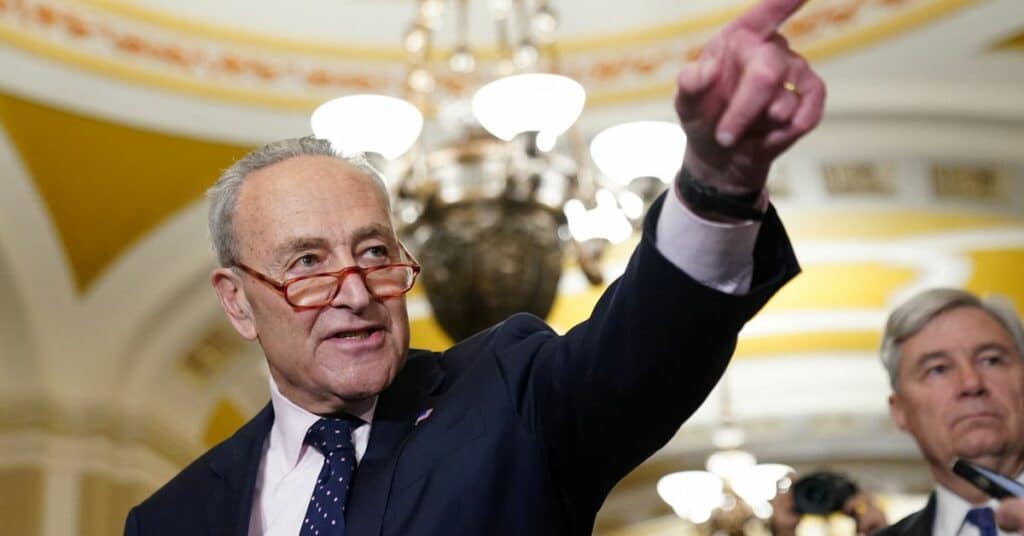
<point>235,464</point>
<point>393,420</point>
<point>923,523</point>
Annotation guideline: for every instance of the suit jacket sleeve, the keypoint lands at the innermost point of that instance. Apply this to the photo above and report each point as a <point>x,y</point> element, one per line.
<point>615,388</point>
<point>131,525</point>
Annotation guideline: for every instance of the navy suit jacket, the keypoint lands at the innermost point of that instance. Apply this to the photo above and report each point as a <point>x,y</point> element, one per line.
<point>920,523</point>
<point>529,430</point>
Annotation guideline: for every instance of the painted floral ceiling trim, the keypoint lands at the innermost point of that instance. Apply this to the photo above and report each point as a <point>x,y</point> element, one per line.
<point>275,74</point>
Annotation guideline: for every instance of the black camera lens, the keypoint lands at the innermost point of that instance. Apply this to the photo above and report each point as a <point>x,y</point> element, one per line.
<point>822,492</point>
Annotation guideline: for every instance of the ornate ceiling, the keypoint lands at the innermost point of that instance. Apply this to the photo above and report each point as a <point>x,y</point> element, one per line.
<point>274,56</point>
<point>117,114</point>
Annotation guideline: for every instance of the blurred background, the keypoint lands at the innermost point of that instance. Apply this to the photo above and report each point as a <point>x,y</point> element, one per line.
<point>117,367</point>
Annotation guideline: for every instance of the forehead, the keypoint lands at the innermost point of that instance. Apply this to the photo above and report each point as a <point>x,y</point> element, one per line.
<point>959,329</point>
<point>306,196</point>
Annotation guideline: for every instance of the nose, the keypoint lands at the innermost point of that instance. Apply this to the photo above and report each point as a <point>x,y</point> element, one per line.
<point>352,293</point>
<point>972,383</point>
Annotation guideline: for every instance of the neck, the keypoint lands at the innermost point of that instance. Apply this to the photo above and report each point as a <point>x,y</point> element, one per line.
<point>323,406</point>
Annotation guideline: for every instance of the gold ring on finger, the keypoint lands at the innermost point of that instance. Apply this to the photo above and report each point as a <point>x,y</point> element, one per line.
<point>791,87</point>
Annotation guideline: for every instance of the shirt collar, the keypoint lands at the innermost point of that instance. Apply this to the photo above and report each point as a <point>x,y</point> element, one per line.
<point>951,509</point>
<point>291,423</point>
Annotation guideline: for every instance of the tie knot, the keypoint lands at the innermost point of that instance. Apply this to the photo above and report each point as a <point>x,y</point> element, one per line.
<point>330,434</point>
<point>984,519</point>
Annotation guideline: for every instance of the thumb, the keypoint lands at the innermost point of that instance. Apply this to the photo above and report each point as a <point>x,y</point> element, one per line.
<point>1010,514</point>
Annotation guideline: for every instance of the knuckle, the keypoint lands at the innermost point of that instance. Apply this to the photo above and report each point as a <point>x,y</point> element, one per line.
<point>765,76</point>
<point>806,123</point>
<point>820,85</point>
<point>819,89</point>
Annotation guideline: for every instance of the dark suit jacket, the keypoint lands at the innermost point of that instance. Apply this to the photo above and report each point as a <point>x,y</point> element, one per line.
<point>529,430</point>
<point>917,524</point>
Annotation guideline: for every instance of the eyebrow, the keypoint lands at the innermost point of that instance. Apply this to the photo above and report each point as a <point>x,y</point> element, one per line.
<point>991,346</point>
<point>940,354</point>
<point>923,360</point>
<point>372,230</point>
<point>300,243</point>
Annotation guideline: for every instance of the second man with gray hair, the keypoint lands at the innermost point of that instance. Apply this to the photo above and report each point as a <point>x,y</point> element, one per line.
<point>955,364</point>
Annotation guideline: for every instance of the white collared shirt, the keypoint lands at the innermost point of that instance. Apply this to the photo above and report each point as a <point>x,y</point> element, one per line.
<point>718,255</point>
<point>951,511</point>
<point>289,468</point>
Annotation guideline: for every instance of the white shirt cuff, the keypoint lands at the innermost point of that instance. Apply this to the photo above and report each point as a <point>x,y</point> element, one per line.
<point>719,255</point>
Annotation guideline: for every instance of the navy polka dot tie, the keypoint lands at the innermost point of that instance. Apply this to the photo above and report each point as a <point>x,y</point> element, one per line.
<point>984,519</point>
<point>325,515</point>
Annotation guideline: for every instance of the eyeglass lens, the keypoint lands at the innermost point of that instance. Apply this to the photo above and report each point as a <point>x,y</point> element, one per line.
<point>382,283</point>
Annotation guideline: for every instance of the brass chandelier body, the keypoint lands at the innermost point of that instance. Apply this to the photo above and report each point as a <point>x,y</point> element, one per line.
<point>484,216</point>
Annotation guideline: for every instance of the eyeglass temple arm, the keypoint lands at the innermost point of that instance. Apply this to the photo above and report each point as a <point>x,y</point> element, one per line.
<point>276,285</point>
<point>408,256</point>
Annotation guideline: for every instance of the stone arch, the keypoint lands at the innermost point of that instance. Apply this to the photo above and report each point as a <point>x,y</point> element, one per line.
<point>22,378</point>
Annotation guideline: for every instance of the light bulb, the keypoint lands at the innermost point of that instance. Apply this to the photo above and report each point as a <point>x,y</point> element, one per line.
<point>431,9</point>
<point>416,39</point>
<point>462,60</point>
<point>544,23</point>
<point>421,81</point>
<point>525,55</point>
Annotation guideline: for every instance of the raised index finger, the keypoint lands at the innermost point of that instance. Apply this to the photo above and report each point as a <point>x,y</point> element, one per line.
<point>765,17</point>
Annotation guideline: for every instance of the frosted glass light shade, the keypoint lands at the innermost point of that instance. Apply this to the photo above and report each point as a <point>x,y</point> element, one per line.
<point>759,484</point>
<point>639,149</point>
<point>384,125</point>
<point>535,102</point>
<point>693,495</point>
<point>605,220</point>
<point>728,463</point>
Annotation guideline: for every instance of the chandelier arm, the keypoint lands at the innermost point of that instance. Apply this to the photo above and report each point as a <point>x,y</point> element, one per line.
<point>462,23</point>
<point>525,36</point>
<point>501,35</point>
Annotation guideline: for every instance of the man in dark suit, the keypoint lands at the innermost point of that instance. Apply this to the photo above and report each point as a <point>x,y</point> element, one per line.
<point>957,375</point>
<point>516,430</point>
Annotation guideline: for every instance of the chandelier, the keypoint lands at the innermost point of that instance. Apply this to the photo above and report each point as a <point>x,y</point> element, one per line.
<point>497,188</point>
<point>732,497</point>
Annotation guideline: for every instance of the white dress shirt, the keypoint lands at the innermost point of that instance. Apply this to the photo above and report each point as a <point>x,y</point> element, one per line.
<point>289,468</point>
<point>718,255</point>
<point>951,511</point>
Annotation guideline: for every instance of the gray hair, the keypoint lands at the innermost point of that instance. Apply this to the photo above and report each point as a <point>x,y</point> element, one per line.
<point>919,310</point>
<point>223,195</point>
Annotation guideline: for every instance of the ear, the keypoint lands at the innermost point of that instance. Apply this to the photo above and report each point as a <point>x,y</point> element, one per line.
<point>898,411</point>
<point>233,300</point>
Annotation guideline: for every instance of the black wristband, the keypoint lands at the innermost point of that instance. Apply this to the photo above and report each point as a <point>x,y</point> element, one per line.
<point>702,196</point>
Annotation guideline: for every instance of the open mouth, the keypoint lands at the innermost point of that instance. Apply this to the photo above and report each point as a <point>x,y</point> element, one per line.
<point>355,335</point>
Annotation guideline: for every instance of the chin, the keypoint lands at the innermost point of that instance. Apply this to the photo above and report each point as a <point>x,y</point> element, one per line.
<point>980,447</point>
<point>356,396</point>
<point>370,383</point>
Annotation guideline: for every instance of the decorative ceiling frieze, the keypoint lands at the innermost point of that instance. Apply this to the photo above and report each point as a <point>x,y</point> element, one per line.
<point>170,53</point>
<point>1013,43</point>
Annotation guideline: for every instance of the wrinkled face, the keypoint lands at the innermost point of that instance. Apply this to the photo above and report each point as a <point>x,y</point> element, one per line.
<point>306,215</point>
<point>960,390</point>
